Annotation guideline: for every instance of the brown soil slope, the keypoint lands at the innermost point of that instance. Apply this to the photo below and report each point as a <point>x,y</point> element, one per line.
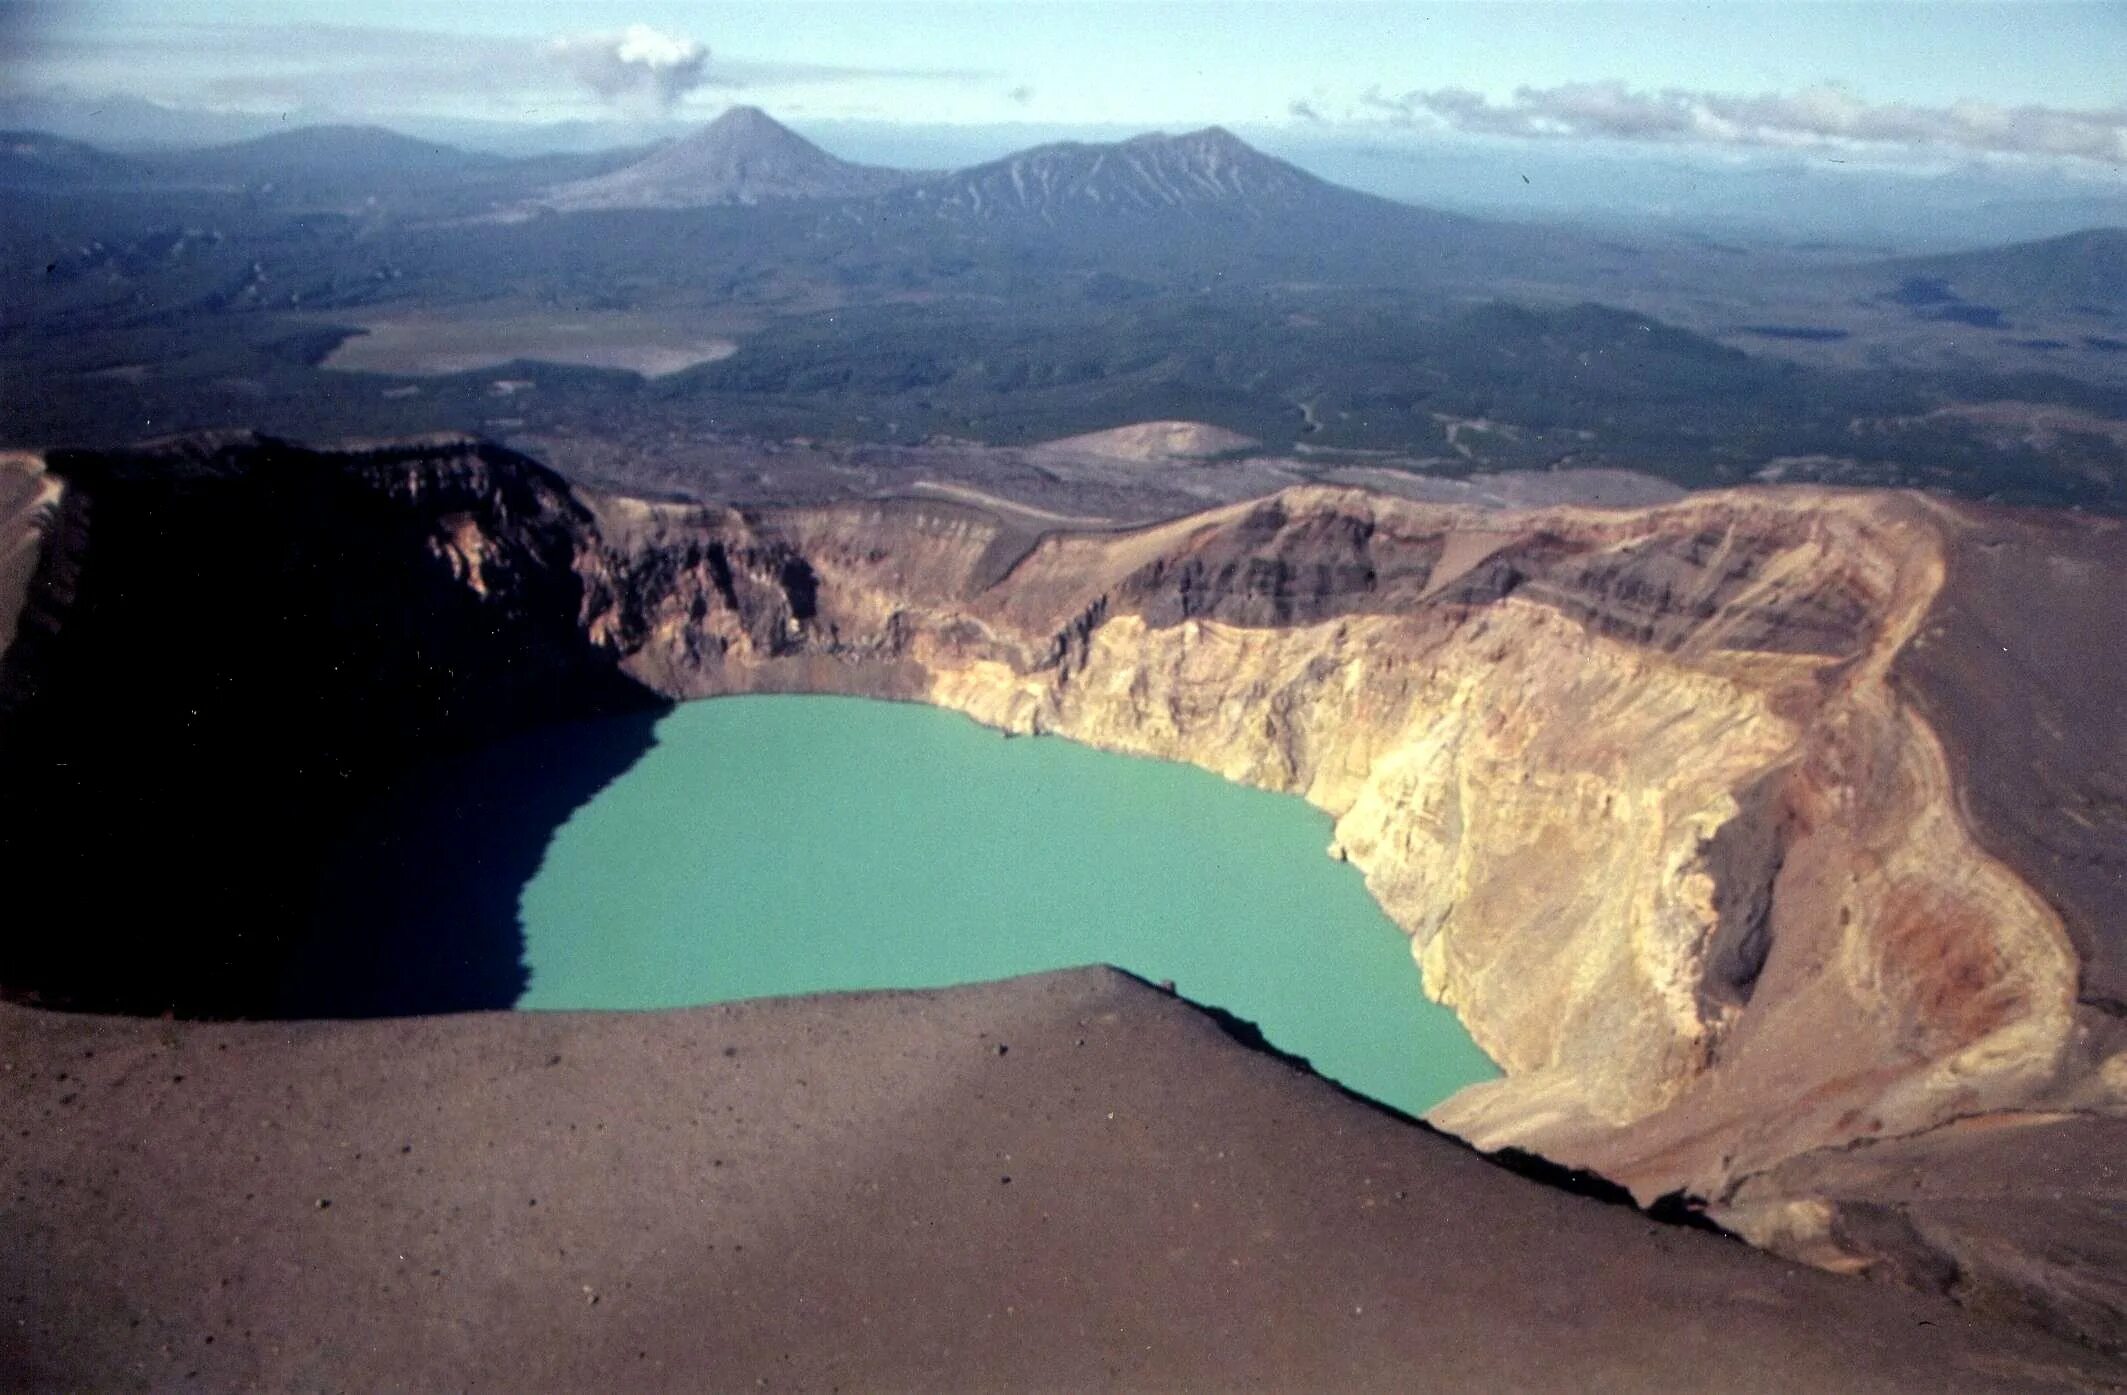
<point>1067,1182</point>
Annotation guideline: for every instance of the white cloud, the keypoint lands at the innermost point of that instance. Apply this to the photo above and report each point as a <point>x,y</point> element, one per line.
<point>1823,115</point>
<point>637,65</point>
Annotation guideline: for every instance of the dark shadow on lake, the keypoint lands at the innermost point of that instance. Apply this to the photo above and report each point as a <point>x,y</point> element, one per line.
<point>415,908</point>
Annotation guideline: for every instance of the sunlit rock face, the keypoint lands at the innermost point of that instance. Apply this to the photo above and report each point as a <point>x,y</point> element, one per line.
<point>1678,805</point>
<point>1648,790</point>
<point>1636,785</point>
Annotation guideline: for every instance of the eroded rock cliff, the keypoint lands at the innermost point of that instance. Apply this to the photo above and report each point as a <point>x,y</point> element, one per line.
<point>1674,803</point>
<point>1666,823</point>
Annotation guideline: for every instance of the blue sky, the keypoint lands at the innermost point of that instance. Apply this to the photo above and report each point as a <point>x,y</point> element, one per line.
<point>2049,78</point>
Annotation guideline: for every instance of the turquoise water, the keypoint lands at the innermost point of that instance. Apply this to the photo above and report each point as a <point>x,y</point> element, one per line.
<point>774,845</point>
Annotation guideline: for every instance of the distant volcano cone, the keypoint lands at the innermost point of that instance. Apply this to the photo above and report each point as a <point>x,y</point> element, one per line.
<point>744,156</point>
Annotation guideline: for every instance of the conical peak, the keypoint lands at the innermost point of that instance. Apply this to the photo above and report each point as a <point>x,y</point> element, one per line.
<point>746,118</point>
<point>749,125</point>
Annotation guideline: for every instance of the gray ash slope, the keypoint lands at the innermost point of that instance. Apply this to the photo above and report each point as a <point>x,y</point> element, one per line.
<point>858,1192</point>
<point>744,156</point>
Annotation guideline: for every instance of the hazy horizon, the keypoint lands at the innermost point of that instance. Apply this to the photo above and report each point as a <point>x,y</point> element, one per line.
<point>1989,81</point>
<point>1887,122</point>
<point>1874,201</point>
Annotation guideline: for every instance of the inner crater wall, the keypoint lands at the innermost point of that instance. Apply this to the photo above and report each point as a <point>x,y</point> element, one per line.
<point>1664,798</point>
<point>1637,785</point>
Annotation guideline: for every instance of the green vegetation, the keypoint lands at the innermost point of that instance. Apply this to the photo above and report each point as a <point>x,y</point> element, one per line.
<point>127,317</point>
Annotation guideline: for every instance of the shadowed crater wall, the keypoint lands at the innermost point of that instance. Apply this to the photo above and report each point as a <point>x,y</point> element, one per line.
<point>415,906</point>
<point>230,647</point>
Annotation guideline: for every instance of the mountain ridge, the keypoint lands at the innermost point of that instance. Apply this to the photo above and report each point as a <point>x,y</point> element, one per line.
<point>302,148</point>
<point>2084,271</point>
<point>1206,172</point>
<point>38,159</point>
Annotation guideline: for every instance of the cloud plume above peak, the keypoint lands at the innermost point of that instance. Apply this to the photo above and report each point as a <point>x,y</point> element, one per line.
<point>1822,115</point>
<point>638,65</point>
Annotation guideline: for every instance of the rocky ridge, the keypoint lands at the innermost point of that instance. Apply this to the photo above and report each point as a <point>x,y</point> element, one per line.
<point>1198,170</point>
<point>1660,795</point>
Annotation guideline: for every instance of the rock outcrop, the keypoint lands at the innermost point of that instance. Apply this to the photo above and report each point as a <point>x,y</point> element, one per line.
<point>1676,804</point>
<point>1154,443</point>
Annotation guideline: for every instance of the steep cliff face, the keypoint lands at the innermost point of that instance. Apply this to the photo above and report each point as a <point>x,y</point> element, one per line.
<point>224,646</point>
<point>1648,790</point>
<point>1663,797</point>
<point>1618,775</point>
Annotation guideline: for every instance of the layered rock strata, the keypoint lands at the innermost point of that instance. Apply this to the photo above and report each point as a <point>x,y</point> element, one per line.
<point>1678,805</point>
